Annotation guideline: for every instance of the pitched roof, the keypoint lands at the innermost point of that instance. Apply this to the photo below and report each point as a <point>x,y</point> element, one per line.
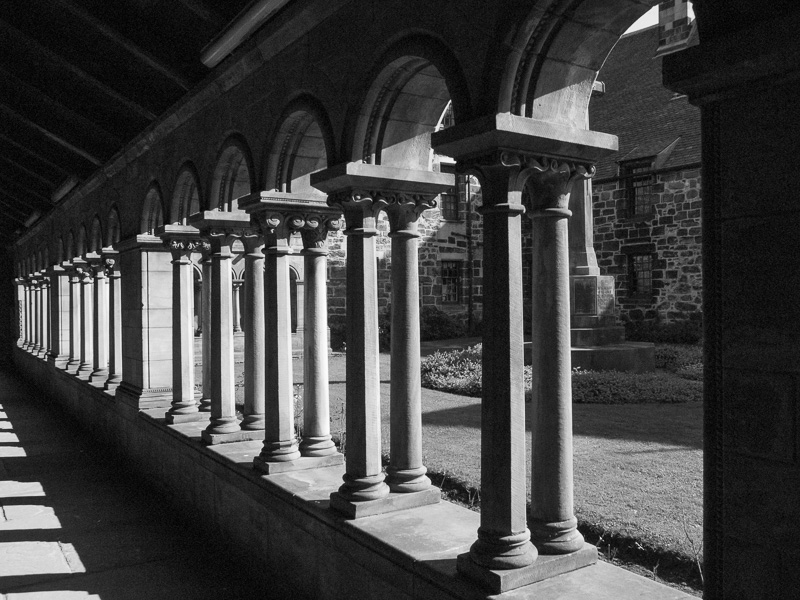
<point>646,116</point>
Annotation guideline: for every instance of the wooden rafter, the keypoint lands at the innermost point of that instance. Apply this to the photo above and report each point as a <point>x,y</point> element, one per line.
<point>141,55</point>
<point>35,155</point>
<point>15,165</point>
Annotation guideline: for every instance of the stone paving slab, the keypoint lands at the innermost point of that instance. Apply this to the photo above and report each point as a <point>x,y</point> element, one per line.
<point>75,525</point>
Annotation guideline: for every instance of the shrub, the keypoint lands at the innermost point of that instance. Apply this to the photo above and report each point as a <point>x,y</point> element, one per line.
<point>674,357</point>
<point>459,372</point>
<point>338,330</point>
<point>456,372</point>
<point>614,387</point>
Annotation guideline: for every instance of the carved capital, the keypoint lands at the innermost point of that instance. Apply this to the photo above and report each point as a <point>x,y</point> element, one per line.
<point>315,230</point>
<point>550,183</point>
<point>404,210</point>
<point>360,209</point>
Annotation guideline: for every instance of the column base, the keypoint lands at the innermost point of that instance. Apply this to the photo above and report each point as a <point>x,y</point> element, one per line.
<point>228,438</point>
<point>99,376</point>
<point>144,399</point>
<point>560,537</point>
<point>299,464</point>
<point>253,422</point>
<point>59,362</point>
<point>173,419</point>
<point>72,366</point>
<point>499,581</point>
<point>391,503</point>
<point>112,383</point>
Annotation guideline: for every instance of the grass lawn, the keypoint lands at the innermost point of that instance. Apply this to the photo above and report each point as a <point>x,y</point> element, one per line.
<point>638,467</point>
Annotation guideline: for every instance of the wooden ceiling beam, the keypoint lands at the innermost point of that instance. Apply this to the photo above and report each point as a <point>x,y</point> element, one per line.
<point>22,192</point>
<point>35,48</point>
<point>15,165</point>
<point>4,201</point>
<point>35,155</point>
<point>32,98</point>
<point>51,136</point>
<point>139,53</point>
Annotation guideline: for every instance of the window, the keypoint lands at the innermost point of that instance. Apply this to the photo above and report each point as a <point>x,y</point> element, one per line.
<point>640,194</point>
<point>449,200</point>
<point>451,282</point>
<point>640,275</point>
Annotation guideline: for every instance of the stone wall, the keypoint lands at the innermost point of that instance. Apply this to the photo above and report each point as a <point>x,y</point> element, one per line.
<point>671,234</point>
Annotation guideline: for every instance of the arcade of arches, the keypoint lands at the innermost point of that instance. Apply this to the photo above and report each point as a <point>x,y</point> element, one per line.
<point>316,127</point>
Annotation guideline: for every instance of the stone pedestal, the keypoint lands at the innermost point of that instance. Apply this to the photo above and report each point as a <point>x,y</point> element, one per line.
<point>145,266</point>
<point>182,241</point>
<point>58,356</point>
<point>361,191</point>
<point>278,215</point>
<point>509,152</point>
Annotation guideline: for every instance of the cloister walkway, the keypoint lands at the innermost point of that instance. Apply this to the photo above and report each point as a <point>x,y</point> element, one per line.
<point>74,524</point>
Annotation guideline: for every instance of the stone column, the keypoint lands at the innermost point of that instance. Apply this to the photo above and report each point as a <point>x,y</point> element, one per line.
<point>75,323</point>
<point>100,320</point>
<point>278,215</point>
<point>26,313</point>
<point>503,557</point>
<point>221,229</point>
<point>45,292</point>
<point>87,320</point>
<point>254,348</point>
<point>316,403</point>
<point>146,303</point>
<point>406,473</point>
<point>361,191</point>
<point>59,317</point>
<point>115,319</point>
<point>36,311</point>
<point>237,317</point>
<point>182,241</point>
<point>554,527</point>
<point>205,324</point>
<point>21,310</point>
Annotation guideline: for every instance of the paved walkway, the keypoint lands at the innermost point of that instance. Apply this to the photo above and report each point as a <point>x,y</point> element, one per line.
<point>72,525</point>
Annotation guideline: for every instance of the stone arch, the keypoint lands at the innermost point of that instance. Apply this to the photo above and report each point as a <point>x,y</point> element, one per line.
<point>152,210</point>
<point>303,143</point>
<point>95,242</point>
<point>59,250</point>
<point>114,227</point>
<point>555,56</point>
<point>406,96</point>
<point>186,195</point>
<point>69,248</point>
<point>233,175</point>
<point>81,242</point>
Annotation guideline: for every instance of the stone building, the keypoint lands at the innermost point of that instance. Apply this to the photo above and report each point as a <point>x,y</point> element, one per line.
<point>647,196</point>
<point>332,106</point>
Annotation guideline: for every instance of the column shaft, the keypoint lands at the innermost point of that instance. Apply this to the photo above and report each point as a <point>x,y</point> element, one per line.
<point>280,442</point>
<point>552,519</point>
<point>364,478</point>
<point>406,473</point>
<point>205,324</point>
<point>316,403</point>
<point>503,537</point>
<point>223,408</point>
<point>37,317</point>
<point>45,317</point>
<point>75,328</point>
<point>254,342</point>
<point>237,317</point>
<point>87,320</point>
<point>100,337</point>
<point>183,402</point>
<point>114,327</point>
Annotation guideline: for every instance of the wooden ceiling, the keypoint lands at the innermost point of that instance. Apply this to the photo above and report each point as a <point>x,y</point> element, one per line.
<point>81,78</point>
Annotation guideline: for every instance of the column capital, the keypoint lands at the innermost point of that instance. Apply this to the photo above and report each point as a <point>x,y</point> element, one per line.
<point>361,191</point>
<point>221,228</point>
<point>182,240</point>
<point>111,263</point>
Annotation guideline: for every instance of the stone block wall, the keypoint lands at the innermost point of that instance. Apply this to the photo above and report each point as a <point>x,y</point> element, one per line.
<point>671,235</point>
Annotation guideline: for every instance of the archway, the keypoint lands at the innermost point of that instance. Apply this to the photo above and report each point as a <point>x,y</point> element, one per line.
<point>232,177</point>
<point>152,211</point>
<point>186,196</point>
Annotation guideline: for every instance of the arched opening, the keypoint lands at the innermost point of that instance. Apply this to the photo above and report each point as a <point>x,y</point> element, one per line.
<point>69,249</point>
<point>232,177</point>
<point>302,145</point>
<point>114,228</point>
<point>402,108</point>
<point>81,247</point>
<point>185,197</point>
<point>152,211</point>
<point>96,236</point>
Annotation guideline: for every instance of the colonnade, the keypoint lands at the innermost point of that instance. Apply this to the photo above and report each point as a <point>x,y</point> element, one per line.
<point>86,294</point>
